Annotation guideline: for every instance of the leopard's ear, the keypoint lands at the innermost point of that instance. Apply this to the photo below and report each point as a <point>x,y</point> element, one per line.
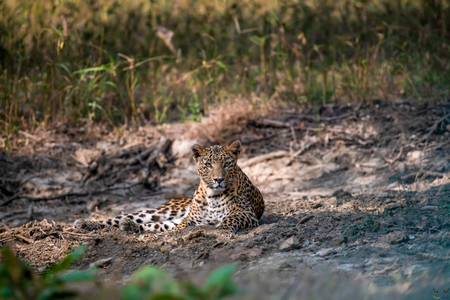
<point>235,148</point>
<point>197,151</point>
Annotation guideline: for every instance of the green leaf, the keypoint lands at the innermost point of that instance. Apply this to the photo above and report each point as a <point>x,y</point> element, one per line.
<point>79,276</point>
<point>93,69</point>
<point>151,281</point>
<point>275,16</point>
<point>60,35</point>
<point>65,263</point>
<point>64,67</point>
<point>220,282</point>
<point>111,84</point>
<point>222,65</point>
<point>255,39</point>
<point>152,59</point>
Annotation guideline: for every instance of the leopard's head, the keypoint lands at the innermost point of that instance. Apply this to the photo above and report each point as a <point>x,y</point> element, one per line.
<point>217,165</point>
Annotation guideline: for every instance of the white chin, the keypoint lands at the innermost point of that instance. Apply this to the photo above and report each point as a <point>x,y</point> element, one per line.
<point>219,189</point>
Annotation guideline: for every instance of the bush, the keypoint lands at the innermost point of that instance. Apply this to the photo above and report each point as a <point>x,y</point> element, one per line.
<point>19,281</point>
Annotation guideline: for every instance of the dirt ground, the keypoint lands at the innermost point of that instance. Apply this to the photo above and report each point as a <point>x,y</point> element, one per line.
<point>360,191</point>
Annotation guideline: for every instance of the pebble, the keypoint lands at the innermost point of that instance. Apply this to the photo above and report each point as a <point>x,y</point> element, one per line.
<point>397,237</point>
<point>290,244</point>
<point>326,252</point>
<point>165,248</point>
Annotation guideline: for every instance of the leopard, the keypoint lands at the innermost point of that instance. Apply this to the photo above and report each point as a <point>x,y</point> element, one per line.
<point>225,198</point>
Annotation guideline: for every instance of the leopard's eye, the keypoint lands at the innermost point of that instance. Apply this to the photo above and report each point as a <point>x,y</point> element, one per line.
<point>226,165</point>
<point>208,165</point>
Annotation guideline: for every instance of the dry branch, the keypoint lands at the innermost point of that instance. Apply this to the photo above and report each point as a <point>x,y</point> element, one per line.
<point>261,158</point>
<point>70,194</point>
<point>29,241</point>
<point>434,127</point>
<point>437,165</point>
<point>161,148</point>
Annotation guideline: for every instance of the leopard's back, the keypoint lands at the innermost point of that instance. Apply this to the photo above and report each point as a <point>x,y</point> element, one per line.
<point>253,195</point>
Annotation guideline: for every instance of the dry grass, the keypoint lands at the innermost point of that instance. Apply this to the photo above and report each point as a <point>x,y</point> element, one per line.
<point>78,61</point>
<point>226,121</point>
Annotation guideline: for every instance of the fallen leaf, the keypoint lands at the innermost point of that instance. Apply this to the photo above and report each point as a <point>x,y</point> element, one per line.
<point>421,225</point>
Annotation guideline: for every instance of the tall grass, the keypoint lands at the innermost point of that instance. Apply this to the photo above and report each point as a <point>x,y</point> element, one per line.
<point>74,60</point>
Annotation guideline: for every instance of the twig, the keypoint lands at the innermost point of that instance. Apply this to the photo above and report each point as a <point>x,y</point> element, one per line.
<point>259,140</point>
<point>8,238</point>
<point>434,127</point>
<point>431,171</point>
<point>261,158</point>
<point>19,236</point>
<point>80,234</point>
<point>294,136</point>
<point>337,118</point>
<point>272,123</point>
<point>391,161</point>
<point>416,175</point>
<point>12,213</point>
<point>70,194</point>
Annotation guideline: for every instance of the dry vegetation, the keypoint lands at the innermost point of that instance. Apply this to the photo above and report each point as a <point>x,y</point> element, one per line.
<point>341,106</point>
<point>155,61</point>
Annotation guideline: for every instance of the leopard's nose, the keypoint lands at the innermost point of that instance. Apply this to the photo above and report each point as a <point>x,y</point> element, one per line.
<point>218,179</point>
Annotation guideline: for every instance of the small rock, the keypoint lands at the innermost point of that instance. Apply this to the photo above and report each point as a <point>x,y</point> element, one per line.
<point>382,195</point>
<point>128,252</point>
<point>176,250</point>
<point>326,252</point>
<point>430,207</point>
<point>342,194</point>
<point>249,255</point>
<point>401,167</point>
<point>397,237</point>
<point>341,197</point>
<point>101,263</point>
<point>194,235</point>
<point>338,241</point>
<point>305,243</point>
<point>165,248</point>
<point>290,244</point>
<point>414,155</point>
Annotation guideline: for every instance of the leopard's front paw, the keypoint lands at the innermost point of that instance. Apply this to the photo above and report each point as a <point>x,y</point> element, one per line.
<point>87,225</point>
<point>128,225</point>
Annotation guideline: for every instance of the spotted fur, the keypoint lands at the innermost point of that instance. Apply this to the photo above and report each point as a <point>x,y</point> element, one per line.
<point>225,198</point>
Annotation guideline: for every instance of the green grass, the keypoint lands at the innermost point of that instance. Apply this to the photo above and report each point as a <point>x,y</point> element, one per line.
<point>78,60</point>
